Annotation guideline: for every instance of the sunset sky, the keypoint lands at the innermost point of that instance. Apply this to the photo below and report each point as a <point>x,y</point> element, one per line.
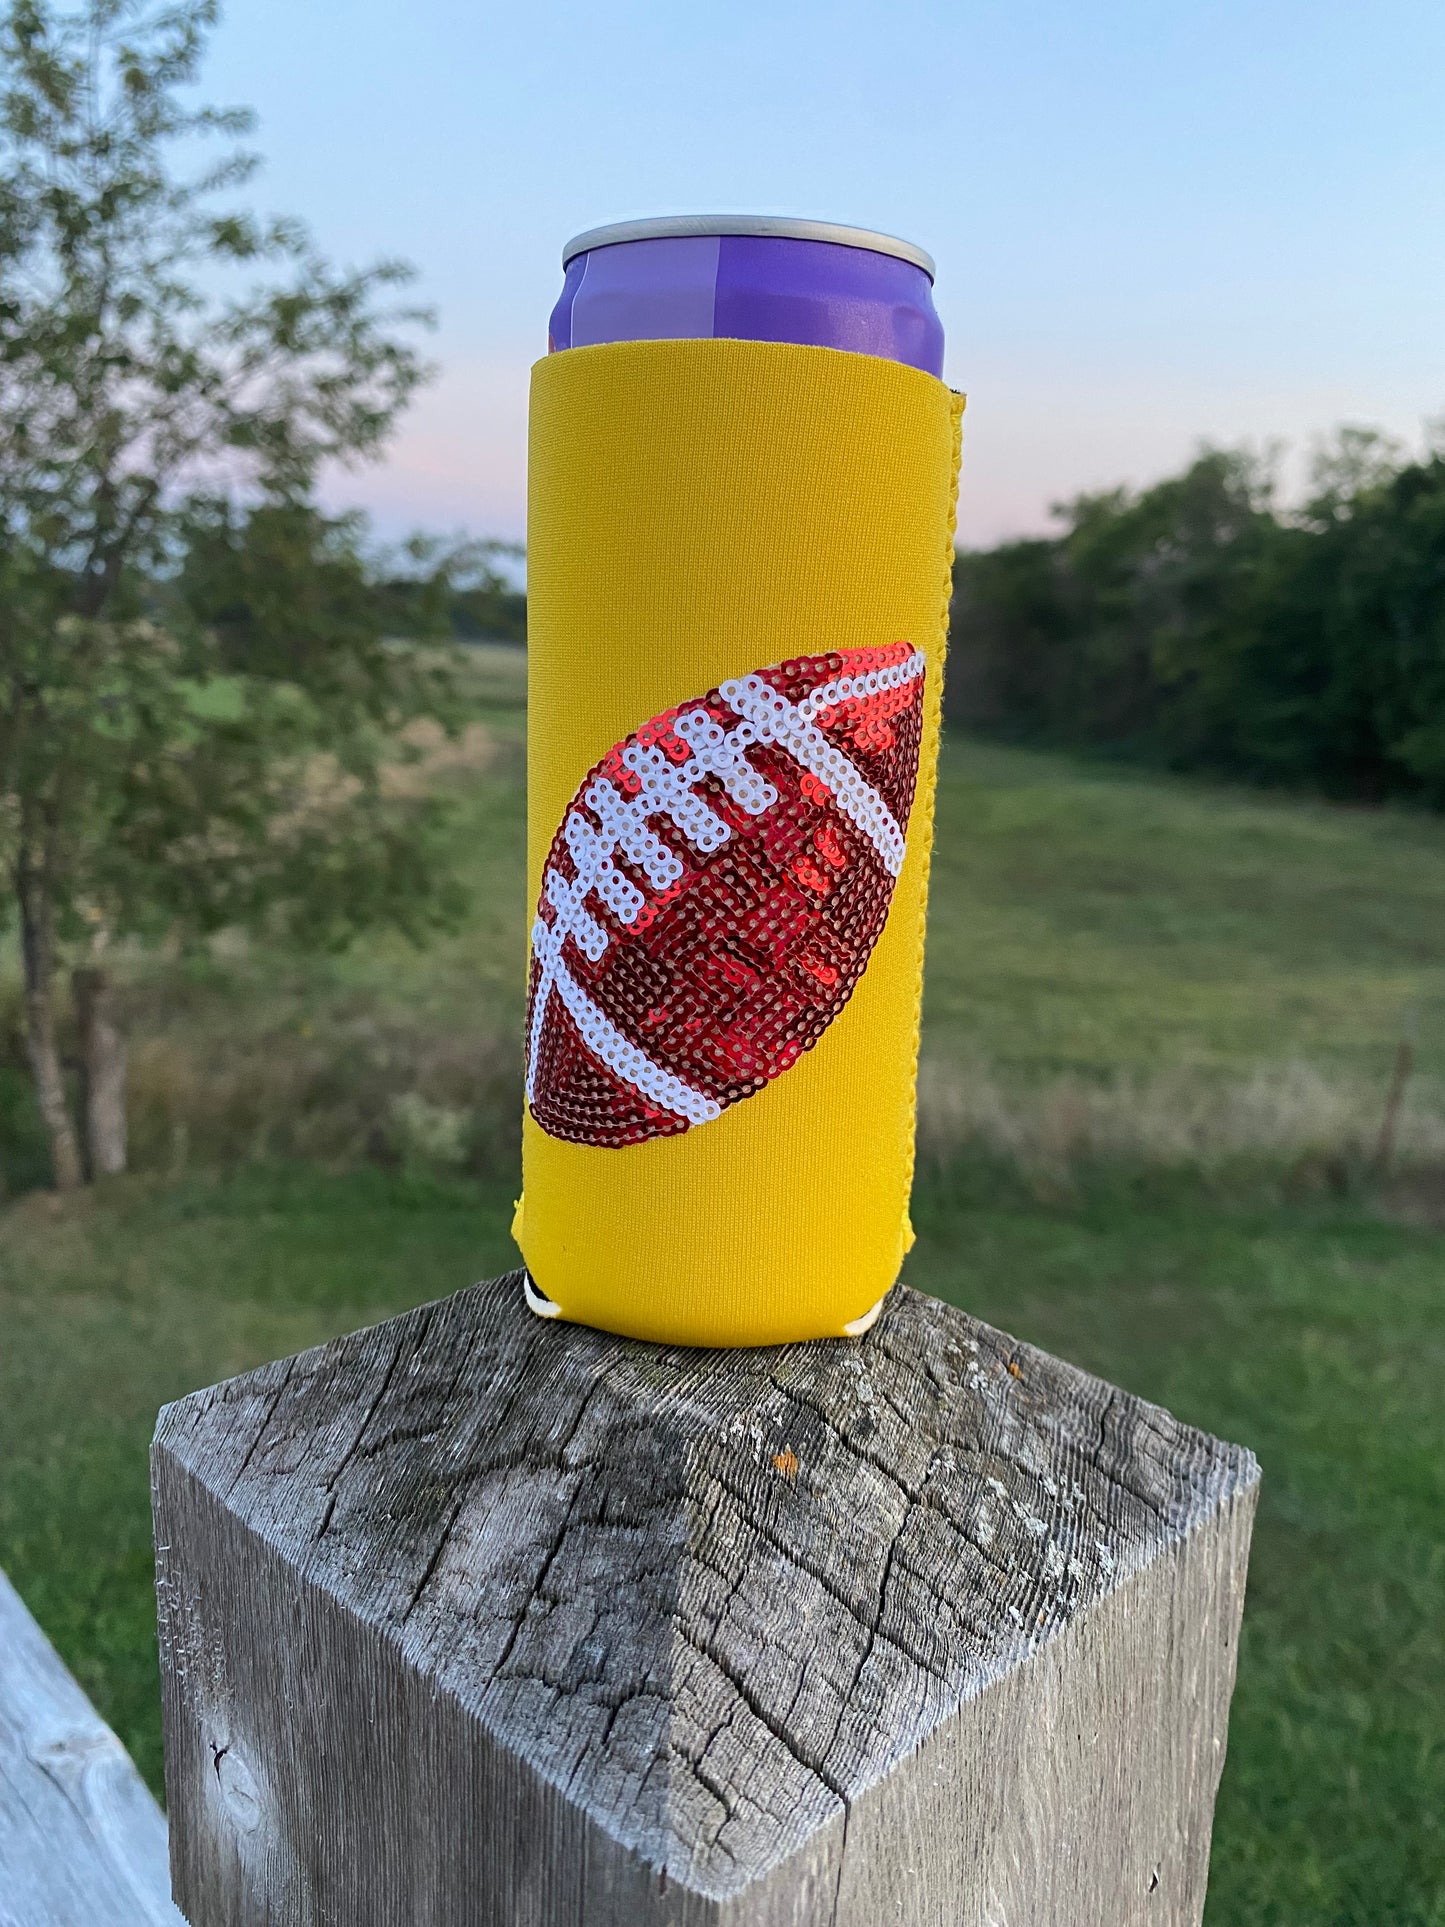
<point>1154,223</point>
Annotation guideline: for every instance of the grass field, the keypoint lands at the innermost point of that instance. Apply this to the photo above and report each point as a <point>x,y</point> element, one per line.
<point>1161,1022</point>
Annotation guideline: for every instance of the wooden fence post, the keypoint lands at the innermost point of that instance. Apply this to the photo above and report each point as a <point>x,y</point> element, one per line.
<point>475,1621</point>
<point>82,1843</point>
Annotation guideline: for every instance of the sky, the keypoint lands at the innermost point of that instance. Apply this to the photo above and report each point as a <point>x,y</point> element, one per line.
<point>1156,222</point>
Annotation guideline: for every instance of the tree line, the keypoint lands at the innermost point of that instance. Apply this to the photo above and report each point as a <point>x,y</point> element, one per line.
<point>202,699</point>
<point>1201,625</point>
<point>207,680</point>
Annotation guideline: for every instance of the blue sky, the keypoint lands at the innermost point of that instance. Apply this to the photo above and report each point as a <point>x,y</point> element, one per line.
<point>1154,223</point>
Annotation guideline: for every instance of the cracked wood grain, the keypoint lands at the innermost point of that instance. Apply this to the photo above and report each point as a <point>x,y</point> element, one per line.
<point>476,1619</point>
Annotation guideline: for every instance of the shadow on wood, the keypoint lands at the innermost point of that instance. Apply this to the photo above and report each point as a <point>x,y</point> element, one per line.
<point>474,1619</point>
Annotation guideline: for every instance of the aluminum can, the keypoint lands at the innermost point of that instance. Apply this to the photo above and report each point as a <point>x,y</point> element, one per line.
<point>749,278</point>
<point>739,561</point>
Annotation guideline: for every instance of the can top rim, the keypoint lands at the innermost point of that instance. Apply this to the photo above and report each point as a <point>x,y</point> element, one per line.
<point>673,227</point>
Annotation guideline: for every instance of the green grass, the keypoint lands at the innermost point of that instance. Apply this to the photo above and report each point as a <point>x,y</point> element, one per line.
<point>116,1303</point>
<point>1160,1023</point>
<point>1311,1333</point>
<point>1119,966</point>
<point>1090,919</point>
<point>1314,1335</point>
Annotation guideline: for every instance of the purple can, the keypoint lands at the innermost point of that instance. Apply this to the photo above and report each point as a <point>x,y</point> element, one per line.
<point>751,278</point>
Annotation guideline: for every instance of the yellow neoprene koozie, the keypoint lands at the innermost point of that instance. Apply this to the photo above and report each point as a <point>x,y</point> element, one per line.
<point>700,511</point>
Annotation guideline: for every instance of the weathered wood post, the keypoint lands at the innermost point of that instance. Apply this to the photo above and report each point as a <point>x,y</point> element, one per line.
<point>82,1843</point>
<point>474,1619</point>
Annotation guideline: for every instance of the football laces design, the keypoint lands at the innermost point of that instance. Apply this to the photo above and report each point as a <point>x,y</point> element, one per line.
<point>715,891</point>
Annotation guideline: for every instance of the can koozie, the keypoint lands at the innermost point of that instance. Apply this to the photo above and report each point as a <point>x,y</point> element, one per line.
<point>739,563</point>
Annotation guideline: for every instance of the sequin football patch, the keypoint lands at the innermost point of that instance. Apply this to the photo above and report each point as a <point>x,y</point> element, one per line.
<point>715,891</point>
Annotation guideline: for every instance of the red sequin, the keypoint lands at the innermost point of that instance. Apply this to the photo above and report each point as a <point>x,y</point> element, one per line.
<point>715,891</point>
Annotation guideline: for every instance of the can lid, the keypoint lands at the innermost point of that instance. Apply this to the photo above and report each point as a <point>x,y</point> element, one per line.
<point>673,227</point>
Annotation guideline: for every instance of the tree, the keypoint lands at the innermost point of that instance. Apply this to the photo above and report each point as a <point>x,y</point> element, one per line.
<point>1366,601</point>
<point>1198,624</point>
<point>1121,631</point>
<point>1012,633</point>
<point>453,587</point>
<point>198,707</point>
